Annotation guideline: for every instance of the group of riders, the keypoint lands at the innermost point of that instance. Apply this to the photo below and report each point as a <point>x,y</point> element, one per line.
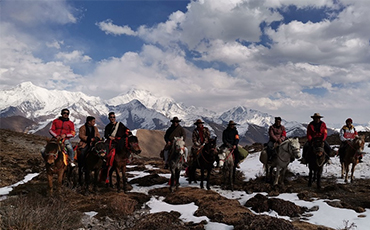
<point>63,128</point>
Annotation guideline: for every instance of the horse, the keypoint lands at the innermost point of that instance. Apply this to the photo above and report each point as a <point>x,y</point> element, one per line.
<point>287,152</point>
<point>226,163</point>
<point>123,151</point>
<point>316,160</point>
<point>176,159</point>
<point>94,160</point>
<point>350,155</point>
<point>55,162</point>
<point>204,162</point>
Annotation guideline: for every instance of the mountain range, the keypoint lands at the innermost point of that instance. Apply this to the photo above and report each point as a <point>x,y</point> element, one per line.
<point>30,108</point>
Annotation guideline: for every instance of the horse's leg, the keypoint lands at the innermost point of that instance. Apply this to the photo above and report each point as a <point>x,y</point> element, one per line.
<point>346,174</point>
<point>282,176</point>
<point>232,177</point>
<point>124,179</point>
<point>353,171</point>
<point>50,183</point>
<point>319,173</point>
<point>60,179</point>
<point>96,178</point>
<point>118,178</point>
<point>87,179</point>
<point>178,177</point>
<point>172,179</point>
<point>342,170</point>
<point>310,178</point>
<point>201,177</point>
<point>208,177</point>
<point>277,175</point>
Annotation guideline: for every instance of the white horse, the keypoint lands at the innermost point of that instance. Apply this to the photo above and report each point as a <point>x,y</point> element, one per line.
<point>226,163</point>
<point>287,152</point>
<point>176,159</point>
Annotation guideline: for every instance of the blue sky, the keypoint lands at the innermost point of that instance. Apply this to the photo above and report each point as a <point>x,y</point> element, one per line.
<point>284,57</point>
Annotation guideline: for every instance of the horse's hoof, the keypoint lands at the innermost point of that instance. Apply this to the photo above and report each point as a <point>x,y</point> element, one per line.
<point>208,188</point>
<point>201,186</point>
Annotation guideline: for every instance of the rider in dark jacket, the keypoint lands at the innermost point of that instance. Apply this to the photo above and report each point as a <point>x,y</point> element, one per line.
<point>230,138</point>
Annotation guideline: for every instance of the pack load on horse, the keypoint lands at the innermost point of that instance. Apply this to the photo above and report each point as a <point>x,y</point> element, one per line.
<point>176,159</point>
<point>351,154</point>
<point>55,158</point>
<point>124,148</point>
<point>204,161</point>
<point>175,130</point>
<point>287,151</point>
<point>94,161</point>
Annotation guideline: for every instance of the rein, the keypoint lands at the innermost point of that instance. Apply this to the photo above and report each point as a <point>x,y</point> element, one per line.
<point>230,153</point>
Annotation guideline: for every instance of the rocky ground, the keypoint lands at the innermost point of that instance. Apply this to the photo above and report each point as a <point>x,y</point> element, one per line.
<point>25,207</point>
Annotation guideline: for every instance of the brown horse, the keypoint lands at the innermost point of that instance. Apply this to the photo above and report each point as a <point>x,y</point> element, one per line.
<point>55,162</point>
<point>351,153</point>
<point>94,160</point>
<point>124,148</point>
<point>204,161</point>
<point>316,160</point>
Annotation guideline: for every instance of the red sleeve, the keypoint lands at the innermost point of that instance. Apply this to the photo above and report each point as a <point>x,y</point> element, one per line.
<point>52,130</point>
<point>324,131</point>
<point>283,135</point>
<point>309,132</point>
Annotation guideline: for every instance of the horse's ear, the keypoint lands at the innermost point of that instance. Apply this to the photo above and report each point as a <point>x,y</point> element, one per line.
<point>47,139</point>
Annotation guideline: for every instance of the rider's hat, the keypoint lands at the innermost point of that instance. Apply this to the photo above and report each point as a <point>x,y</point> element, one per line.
<point>278,118</point>
<point>175,119</point>
<point>232,123</point>
<point>349,120</point>
<point>199,121</point>
<point>316,115</point>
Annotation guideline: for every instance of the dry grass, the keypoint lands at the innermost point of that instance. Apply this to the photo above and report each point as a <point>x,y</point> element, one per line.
<point>37,212</point>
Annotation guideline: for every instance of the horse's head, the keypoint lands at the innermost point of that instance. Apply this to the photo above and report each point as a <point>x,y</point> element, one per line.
<point>52,150</point>
<point>222,155</point>
<point>294,147</point>
<point>210,147</point>
<point>133,144</point>
<point>359,143</point>
<point>179,145</point>
<point>100,148</point>
<point>318,147</point>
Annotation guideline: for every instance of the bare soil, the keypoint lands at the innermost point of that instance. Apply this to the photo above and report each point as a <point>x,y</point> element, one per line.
<point>20,155</point>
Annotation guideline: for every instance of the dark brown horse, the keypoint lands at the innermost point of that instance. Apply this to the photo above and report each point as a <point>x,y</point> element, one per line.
<point>350,155</point>
<point>316,159</point>
<point>94,160</point>
<point>204,161</point>
<point>55,162</point>
<point>124,148</point>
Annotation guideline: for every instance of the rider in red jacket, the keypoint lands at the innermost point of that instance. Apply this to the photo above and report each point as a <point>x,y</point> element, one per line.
<point>316,129</point>
<point>63,128</point>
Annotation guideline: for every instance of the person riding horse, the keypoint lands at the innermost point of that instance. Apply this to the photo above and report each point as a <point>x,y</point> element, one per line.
<point>200,137</point>
<point>347,133</point>
<point>88,133</point>
<point>316,130</point>
<point>115,130</point>
<point>230,139</point>
<point>175,130</point>
<point>63,128</point>
<point>277,135</point>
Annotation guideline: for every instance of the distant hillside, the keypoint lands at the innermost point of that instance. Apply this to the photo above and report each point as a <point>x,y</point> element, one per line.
<point>16,123</point>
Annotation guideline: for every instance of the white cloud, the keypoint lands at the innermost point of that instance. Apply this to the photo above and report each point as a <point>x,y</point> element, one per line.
<point>109,28</point>
<point>55,44</point>
<point>74,56</point>
<point>36,12</point>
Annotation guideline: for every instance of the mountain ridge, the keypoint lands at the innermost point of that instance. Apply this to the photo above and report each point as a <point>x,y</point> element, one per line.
<point>138,109</point>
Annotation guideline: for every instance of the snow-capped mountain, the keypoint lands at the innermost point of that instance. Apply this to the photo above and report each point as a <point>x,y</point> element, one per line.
<point>138,109</point>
